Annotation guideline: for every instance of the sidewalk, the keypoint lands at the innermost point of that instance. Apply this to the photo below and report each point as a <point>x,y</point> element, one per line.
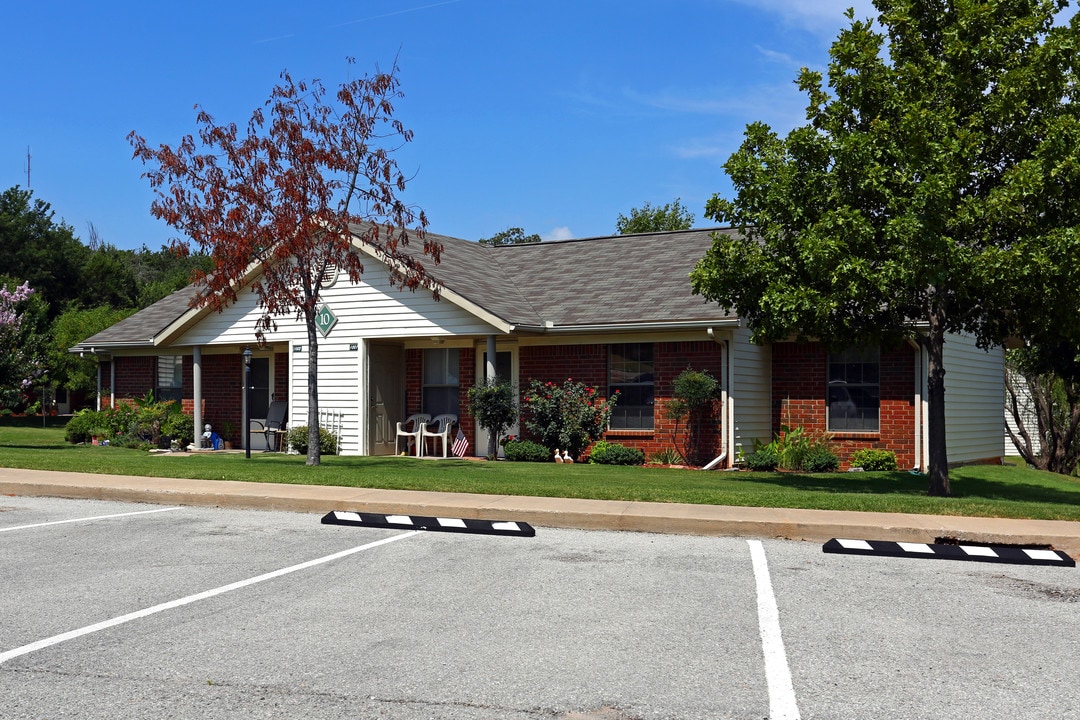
<point>711,520</point>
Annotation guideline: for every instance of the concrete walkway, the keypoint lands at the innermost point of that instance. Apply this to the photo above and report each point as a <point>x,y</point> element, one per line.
<point>712,520</point>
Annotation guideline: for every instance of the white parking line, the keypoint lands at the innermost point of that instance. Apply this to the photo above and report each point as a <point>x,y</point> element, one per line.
<point>88,519</point>
<point>782,704</point>
<point>71,635</point>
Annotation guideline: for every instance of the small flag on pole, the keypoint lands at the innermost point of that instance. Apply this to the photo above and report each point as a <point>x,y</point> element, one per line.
<point>461,444</point>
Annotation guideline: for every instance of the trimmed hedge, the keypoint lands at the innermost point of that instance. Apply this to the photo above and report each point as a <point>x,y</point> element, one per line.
<point>527,451</point>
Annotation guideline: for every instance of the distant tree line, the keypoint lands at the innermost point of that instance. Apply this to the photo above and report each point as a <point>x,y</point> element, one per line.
<point>79,288</point>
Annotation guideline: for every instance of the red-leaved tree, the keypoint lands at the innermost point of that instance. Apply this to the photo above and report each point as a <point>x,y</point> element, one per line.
<point>282,205</point>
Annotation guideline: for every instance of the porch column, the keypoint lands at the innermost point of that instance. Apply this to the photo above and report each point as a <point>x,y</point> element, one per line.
<point>112,381</point>
<point>489,371</point>
<point>98,401</point>
<point>196,381</point>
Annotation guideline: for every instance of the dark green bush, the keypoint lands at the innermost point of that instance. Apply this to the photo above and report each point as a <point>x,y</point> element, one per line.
<point>82,425</point>
<point>820,459</point>
<point>179,427</point>
<point>605,453</point>
<point>298,440</point>
<point>527,451</point>
<point>871,459</point>
<point>763,459</point>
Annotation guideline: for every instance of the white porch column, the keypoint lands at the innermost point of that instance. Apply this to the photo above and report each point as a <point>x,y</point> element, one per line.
<point>196,380</point>
<point>98,401</point>
<point>489,371</point>
<point>112,381</point>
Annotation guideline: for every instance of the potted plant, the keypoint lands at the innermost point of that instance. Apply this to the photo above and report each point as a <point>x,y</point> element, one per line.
<point>228,427</point>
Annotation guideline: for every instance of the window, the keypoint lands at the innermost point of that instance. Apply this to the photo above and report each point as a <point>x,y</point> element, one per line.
<point>170,378</point>
<point>854,391</point>
<point>630,373</point>
<point>440,381</point>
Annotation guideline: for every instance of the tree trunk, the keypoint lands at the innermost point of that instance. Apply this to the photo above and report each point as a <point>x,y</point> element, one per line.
<point>938,452</point>
<point>313,456</point>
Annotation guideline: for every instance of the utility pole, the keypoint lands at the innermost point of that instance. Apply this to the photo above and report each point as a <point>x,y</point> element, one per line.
<point>27,166</point>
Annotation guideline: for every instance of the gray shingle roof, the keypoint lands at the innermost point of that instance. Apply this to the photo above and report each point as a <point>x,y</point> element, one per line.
<point>622,280</point>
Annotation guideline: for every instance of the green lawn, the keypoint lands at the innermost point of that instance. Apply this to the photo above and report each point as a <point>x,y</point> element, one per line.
<point>986,491</point>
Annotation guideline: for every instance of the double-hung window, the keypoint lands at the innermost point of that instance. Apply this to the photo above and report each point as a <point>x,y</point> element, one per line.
<point>631,375</point>
<point>854,390</point>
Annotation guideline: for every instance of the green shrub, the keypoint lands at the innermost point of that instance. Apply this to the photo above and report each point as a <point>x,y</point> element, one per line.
<point>820,459</point>
<point>179,427</point>
<point>298,440</point>
<point>494,408</point>
<point>605,453</point>
<point>568,416</point>
<point>871,459</point>
<point>763,459</point>
<point>82,426</point>
<point>694,396</point>
<point>527,451</point>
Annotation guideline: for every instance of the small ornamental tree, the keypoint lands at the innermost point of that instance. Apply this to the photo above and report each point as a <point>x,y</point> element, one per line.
<point>20,356</point>
<point>566,417</point>
<point>493,406</point>
<point>281,206</point>
<point>693,399</point>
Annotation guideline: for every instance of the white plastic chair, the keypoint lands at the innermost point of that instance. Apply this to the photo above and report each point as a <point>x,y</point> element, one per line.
<point>417,422</point>
<point>440,430</point>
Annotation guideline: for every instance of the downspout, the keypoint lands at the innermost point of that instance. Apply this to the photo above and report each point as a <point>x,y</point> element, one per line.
<point>725,357</point>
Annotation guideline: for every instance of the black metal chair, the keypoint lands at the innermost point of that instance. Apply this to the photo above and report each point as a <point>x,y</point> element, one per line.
<point>274,427</point>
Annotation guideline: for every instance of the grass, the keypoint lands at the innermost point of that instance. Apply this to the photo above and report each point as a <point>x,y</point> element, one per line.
<point>981,491</point>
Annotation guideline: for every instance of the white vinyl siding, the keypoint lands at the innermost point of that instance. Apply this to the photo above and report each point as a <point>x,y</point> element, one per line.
<point>974,388</point>
<point>370,309</point>
<point>751,391</point>
<point>339,378</point>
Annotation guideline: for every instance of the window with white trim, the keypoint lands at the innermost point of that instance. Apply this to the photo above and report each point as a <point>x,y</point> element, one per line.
<point>853,394</point>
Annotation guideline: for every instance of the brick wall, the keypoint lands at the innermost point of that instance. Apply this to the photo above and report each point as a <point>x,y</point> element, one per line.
<point>222,381</point>
<point>589,364</point>
<point>799,384</point>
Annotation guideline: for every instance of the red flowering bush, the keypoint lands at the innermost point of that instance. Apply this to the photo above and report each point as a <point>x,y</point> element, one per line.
<point>567,417</point>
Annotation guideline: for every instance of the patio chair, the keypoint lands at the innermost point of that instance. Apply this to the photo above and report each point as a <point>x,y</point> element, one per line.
<point>416,423</point>
<point>274,427</point>
<point>440,430</point>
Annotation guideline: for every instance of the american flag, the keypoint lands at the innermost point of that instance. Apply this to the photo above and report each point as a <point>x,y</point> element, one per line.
<point>461,444</point>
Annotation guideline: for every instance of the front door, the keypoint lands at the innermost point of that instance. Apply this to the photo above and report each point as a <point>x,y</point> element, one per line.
<point>260,397</point>
<point>506,367</point>
<point>386,404</point>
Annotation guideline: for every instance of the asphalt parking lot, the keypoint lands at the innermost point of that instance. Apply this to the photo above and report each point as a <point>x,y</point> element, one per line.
<point>116,610</point>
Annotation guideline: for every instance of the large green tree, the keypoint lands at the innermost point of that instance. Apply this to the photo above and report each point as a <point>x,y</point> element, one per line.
<point>38,249</point>
<point>932,190</point>
<point>662,218</point>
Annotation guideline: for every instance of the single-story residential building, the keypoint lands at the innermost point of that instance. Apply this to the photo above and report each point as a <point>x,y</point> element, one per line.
<point>614,312</point>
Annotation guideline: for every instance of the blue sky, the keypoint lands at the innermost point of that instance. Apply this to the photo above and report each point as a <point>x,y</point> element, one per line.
<point>552,116</point>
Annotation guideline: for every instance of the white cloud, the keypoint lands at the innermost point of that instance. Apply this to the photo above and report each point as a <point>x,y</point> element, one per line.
<point>559,233</point>
<point>821,17</point>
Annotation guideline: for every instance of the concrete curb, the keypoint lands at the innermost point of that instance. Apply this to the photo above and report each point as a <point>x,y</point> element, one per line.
<point>673,518</point>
